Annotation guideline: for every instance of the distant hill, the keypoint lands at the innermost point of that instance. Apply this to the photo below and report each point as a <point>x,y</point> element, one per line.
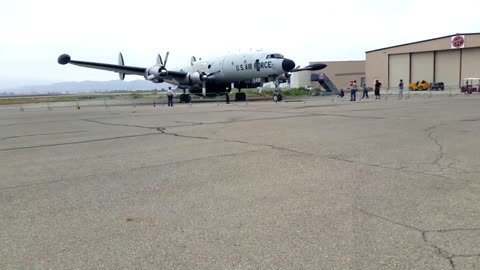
<point>87,86</point>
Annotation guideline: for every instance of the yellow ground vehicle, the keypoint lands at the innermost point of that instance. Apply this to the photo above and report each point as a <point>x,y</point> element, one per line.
<point>419,86</point>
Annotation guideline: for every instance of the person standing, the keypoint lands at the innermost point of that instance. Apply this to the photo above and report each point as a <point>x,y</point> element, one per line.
<point>353,92</point>
<point>377,89</point>
<point>227,96</point>
<point>400,89</point>
<point>170,97</point>
<point>365,91</point>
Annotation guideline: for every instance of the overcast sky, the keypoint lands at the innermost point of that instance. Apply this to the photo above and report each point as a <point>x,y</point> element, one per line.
<point>34,33</point>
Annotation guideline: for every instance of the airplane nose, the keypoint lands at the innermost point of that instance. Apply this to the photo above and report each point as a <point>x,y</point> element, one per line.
<point>288,65</point>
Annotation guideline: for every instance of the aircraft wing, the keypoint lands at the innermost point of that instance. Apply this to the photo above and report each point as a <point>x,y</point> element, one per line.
<point>122,69</point>
<point>65,59</point>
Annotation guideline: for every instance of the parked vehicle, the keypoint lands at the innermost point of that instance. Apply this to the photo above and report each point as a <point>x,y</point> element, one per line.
<point>437,86</point>
<point>470,85</point>
<point>419,86</point>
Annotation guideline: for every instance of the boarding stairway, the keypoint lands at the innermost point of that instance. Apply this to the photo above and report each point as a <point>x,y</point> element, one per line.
<point>325,82</point>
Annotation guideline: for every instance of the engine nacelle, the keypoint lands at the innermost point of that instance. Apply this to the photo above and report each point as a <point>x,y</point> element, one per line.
<point>283,78</point>
<point>196,77</point>
<point>155,72</point>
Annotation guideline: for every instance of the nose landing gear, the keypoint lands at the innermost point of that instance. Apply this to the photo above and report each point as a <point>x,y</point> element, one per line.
<point>277,97</point>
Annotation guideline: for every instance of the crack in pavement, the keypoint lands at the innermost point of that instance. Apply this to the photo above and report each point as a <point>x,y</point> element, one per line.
<point>424,235</point>
<point>450,166</point>
<point>57,121</point>
<point>441,152</point>
<point>163,131</point>
<point>303,115</point>
<point>143,127</point>
<point>190,122</point>
<point>268,145</point>
<point>405,168</point>
<point>79,142</point>
<point>319,106</point>
<point>42,134</point>
<point>341,159</point>
<point>402,168</point>
<point>160,131</point>
<point>350,116</point>
<point>471,120</point>
<point>114,124</point>
<point>131,169</point>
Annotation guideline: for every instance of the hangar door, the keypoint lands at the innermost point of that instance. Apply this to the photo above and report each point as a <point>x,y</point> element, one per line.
<point>398,68</point>
<point>447,67</point>
<point>471,63</point>
<point>422,67</point>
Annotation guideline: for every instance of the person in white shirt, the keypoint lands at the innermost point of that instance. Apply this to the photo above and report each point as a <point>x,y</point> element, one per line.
<point>170,97</point>
<point>353,93</point>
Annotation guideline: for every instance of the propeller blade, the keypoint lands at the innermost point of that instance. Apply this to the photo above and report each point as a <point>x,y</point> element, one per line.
<point>159,60</point>
<point>166,58</point>
<point>120,59</point>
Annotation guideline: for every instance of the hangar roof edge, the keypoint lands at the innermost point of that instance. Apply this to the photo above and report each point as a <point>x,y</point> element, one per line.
<point>425,40</point>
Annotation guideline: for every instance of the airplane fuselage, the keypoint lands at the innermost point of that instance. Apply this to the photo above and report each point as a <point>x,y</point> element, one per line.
<point>210,76</point>
<point>243,70</point>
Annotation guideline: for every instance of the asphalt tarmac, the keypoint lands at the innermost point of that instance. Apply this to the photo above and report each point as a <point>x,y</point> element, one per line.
<point>316,184</point>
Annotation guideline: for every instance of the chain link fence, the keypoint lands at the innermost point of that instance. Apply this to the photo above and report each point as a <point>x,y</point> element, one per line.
<point>159,101</point>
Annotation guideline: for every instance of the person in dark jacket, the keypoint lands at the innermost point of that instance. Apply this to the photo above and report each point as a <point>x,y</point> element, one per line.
<point>377,89</point>
<point>400,89</point>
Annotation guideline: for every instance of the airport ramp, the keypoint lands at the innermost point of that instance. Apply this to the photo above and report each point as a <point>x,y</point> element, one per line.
<point>324,81</point>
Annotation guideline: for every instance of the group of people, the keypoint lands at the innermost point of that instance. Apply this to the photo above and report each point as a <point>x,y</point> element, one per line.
<point>378,85</point>
<point>353,92</point>
<point>354,88</point>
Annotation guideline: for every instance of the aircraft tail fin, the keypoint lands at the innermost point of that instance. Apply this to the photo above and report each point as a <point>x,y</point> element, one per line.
<point>121,63</point>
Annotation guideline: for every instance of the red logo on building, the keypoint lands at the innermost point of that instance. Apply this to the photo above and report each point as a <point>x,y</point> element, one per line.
<point>458,42</point>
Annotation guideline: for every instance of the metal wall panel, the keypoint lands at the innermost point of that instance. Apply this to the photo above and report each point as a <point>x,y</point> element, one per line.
<point>471,63</point>
<point>398,68</point>
<point>422,67</point>
<point>447,67</point>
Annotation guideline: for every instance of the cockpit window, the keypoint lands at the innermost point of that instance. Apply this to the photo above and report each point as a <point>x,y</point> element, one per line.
<point>274,55</point>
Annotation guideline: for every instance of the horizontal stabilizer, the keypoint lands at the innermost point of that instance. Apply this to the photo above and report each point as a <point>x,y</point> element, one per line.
<point>312,67</point>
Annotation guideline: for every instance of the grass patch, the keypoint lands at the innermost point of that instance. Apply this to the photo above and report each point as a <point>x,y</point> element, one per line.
<point>136,95</point>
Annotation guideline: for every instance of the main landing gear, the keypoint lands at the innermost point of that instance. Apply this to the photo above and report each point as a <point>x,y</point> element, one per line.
<point>240,96</point>
<point>185,98</point>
